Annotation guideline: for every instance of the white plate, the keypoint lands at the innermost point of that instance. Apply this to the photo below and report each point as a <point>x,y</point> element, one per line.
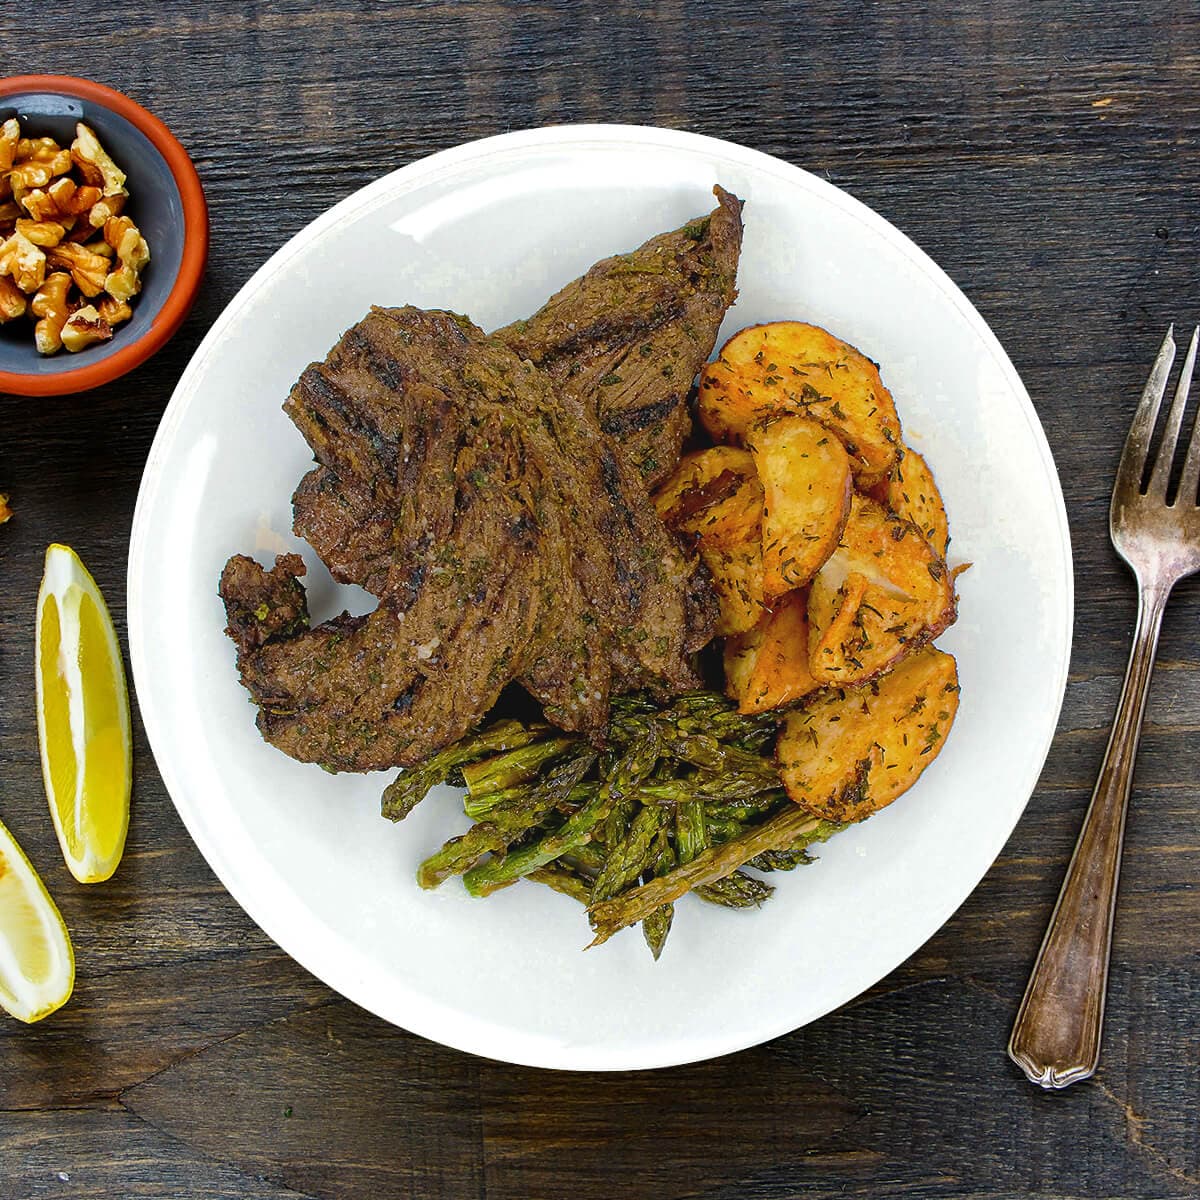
<point>491,229</point>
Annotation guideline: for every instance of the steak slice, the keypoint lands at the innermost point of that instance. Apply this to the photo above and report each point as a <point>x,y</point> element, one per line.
<point>626,340</point>
<point>349,410</point>
<point>629,337</point>
<point>521,545</point>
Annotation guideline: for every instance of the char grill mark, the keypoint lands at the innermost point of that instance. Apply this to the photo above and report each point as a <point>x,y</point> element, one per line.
<point>627,421</point>
<point>348,524</point>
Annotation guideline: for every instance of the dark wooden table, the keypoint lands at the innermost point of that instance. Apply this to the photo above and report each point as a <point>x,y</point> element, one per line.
<point>1048,160</point>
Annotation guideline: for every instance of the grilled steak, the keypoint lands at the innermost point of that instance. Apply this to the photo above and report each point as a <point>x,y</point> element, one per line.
<point>506,537</point>
<point>626,340</point>
<point>629,337</point>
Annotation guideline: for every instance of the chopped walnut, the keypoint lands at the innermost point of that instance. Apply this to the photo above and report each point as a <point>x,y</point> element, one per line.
<point>41,233</point>
<point>43,149</point>
<point>12,300</point>
<point>62,201</point>
<point>87,269</point>
<point>51,305</point>
<point>62,210</point>
<point>24,261</point>
<point>84,198</point>
<point>68,199</point>
<point>105,209</point>
<point>40,205</point>
<point>94,163</point>
<point>63,194</point>
<point>115,229</point>
<point>113,311</point>
<point>10,137</point>
<point>28,175</point>
<point>84,327</point>
<point>132,255</point>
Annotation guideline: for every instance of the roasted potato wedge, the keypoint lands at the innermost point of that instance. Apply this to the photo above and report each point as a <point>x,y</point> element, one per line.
<point>852,751</point>
<point>714,499</point>
<point>806,485</point>
<point>737,577</point>
<point>882,594</point>
<point>714,496</point>
<point>768,667</point>
<point>788,366</point>
<point>911,492</point>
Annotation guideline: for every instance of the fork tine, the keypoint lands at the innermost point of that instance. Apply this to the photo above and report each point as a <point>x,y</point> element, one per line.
<point>1166,451</point>
<point>1141,429</point>
<point>1191,464</point>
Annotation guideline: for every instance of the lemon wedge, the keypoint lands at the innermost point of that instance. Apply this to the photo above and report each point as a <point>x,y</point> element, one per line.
<point>37,964</point>
<point>83,718</point>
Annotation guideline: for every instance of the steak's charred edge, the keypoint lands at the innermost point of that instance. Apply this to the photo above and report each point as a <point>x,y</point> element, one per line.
<point>348,524</point>
<point>261,605</point>
<point>341,433</point>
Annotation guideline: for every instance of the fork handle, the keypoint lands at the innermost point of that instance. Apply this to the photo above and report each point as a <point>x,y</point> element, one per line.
<point>1056,1036</point>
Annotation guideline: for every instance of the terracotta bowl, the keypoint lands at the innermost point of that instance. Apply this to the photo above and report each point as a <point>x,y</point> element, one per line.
<point>166,202</point>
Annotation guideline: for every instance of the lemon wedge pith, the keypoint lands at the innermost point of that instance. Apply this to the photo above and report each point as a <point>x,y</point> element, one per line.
<point>37,964</point>
<point>83,718</point>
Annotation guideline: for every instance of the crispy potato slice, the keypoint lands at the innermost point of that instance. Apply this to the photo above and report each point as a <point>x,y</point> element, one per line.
<point>713,495</point>
<point>883,593</point>
<point>768,667</point>
<point>806,484</point>
<point>852,751</point>
<point>737,577</point>
<point>911,492</point>
<point>788,366</point>
<point>714,499</point>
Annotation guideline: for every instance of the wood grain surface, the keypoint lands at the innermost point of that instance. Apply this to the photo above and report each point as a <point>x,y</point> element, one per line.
<point>1047,157</point>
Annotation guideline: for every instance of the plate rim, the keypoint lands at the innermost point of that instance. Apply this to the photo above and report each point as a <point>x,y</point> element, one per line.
<point>419,173</point>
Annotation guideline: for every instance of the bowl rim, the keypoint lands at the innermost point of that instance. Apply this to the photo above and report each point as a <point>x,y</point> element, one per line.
<point>195,239</point>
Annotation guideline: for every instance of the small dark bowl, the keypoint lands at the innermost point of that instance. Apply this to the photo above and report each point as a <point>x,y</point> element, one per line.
<point>167,204</point>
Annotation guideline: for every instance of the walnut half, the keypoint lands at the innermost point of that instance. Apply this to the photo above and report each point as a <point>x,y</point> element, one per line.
<point>84,327</point>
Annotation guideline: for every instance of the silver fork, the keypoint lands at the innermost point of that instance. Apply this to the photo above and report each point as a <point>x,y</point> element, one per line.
<point>1056,1037</point>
